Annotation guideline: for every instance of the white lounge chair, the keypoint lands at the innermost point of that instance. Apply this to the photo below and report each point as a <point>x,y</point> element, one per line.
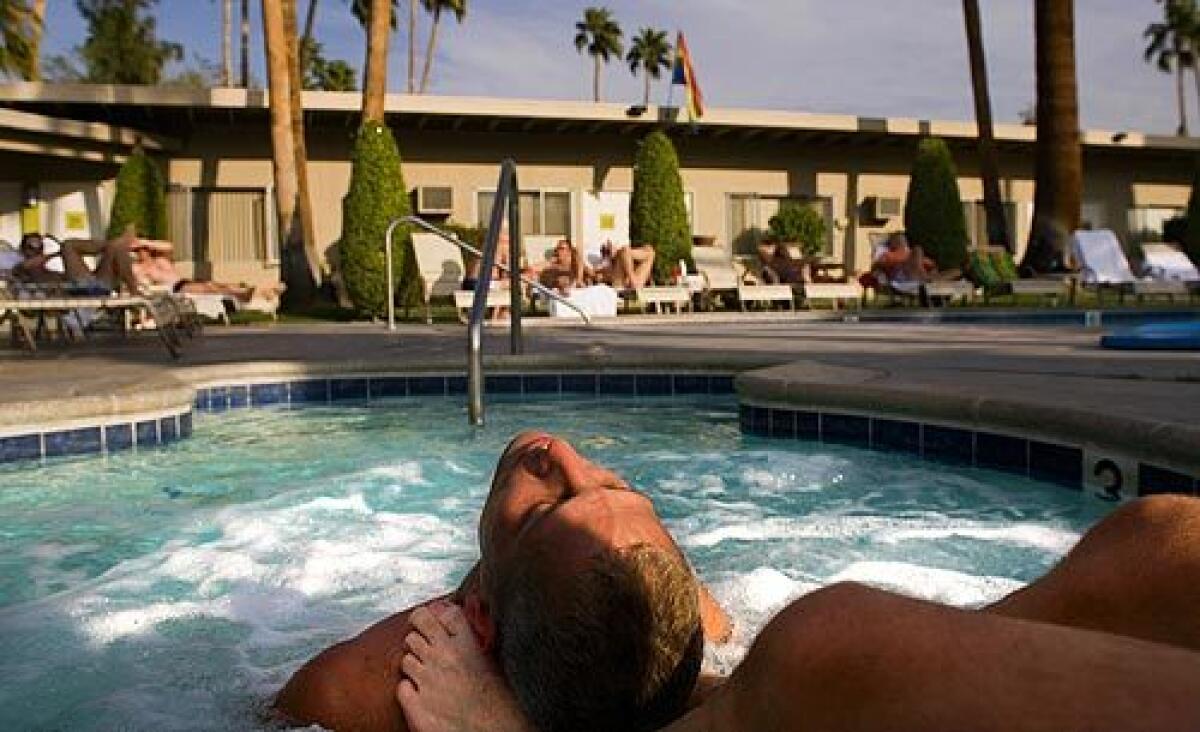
<point>31,309</point>
<point>1103,266</point>
<point>1165,262</point>
<point>722,275</point>
<point>440,265</point>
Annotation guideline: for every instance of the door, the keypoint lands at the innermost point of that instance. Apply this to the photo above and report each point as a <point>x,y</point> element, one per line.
<point>605,220</point>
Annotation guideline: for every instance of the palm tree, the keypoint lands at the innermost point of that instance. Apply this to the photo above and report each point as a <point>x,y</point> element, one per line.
<point>362,12</point>
<point>283,150</point>
<point>226,42</point>
<point>997,226</point>
<point>245,33</point>
<point>35,41</point>
<point>17,32</point>
<point>300,155</point>
<point>650,52</point>
<point>1170,47</point>
<point>600,36</point>
<point>1059,158</point>
<point>435,7</point>
<point>382,19</point>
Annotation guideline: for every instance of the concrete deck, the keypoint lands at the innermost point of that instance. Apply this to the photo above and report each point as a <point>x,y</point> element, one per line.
<point>1053,380</point>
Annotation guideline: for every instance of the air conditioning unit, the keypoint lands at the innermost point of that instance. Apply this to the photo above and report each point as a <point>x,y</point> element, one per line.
<point>435,200</point>
<point>883,208</point>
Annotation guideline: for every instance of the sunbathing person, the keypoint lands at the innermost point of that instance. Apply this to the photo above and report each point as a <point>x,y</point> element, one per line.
<point>114,264</point>
<point>580,595</point>
<point>152,265</point>
<point>625,268</point>
<point>564,270</point>
<point>778,264</point>
<point>1108,640</point>
<point>904,263</point>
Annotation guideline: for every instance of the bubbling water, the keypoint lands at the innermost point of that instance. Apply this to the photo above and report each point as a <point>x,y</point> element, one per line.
<point>179,588</point>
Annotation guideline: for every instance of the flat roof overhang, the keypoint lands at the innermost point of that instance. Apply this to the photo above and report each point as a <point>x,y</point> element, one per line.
<point>171,110</point>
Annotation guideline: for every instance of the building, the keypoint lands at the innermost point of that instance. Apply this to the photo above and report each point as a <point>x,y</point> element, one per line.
<point>61,145</point>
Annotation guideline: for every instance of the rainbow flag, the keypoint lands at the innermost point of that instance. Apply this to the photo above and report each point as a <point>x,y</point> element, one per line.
<point>685,75</point>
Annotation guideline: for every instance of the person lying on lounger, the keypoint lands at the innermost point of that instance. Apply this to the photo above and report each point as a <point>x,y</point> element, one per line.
<point>901,262</point>
<point>564,271</point>
<point>1108,640</point>
<point>625,268</point>
<point>152,265</point>
<point>580,594</point>
<point>114,262</point>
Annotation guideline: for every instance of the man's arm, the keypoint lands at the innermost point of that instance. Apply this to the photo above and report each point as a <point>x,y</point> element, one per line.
<point>154,246</point>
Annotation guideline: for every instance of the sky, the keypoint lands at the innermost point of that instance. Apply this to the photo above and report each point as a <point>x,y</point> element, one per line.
<point>872,58</point>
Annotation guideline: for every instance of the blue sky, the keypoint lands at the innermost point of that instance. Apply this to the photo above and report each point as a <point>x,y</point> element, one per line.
<point>904,58</point>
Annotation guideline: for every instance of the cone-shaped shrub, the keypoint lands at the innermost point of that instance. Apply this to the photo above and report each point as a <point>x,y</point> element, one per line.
<point>141,199</point>
<point>657,210</point>
<point>377,196</point>
<point>1191,239</point>
<point>933,214</point>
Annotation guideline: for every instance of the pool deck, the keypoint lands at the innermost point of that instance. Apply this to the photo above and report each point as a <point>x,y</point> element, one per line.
<point>1050,380</point>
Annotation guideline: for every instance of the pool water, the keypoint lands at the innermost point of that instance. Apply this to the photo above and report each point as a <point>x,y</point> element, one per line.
<point>178,588</point>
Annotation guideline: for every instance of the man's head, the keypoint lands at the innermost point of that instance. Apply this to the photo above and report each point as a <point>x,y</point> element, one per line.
<point>897,242</point>
<point>31,245</point>
<point>592,609</point>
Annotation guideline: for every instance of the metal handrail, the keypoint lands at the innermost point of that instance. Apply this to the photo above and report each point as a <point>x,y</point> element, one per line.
<point>507,192</point>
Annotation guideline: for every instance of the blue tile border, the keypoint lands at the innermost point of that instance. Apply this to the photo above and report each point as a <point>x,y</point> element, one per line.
<point>350,389</point>
<point>1062,465</point>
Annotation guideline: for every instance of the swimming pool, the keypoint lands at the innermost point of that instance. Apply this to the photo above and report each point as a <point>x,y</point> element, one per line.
<point>177,588</point>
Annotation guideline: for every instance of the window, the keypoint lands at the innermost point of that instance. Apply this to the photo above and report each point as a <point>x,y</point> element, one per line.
<point>976,215</point>
<point>543,213</point>
<point>750,214</point>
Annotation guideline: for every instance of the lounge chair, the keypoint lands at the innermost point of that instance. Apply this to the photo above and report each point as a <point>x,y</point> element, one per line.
<point>938,292</point>
<point>440,266</point>
<point>34,312</point>
<point>995,272</point>
<point>723,276</point>
<point>1165,262</point>
<point>1103,266</point>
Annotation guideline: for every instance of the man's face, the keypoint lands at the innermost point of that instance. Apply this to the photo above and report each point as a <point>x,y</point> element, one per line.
<point>545,493</point>
<point>32,246</point>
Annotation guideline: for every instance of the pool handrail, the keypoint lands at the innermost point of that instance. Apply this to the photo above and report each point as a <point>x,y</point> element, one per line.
<point>507,192</point>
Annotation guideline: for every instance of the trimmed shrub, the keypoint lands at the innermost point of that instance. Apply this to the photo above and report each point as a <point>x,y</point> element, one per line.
<point>1174,230</point>
<point>1191,240</point>
<point>933,214</point>
<point>377,195</point>
<point>657,211</point>
<point>141,199</point>
<point>799,223</point>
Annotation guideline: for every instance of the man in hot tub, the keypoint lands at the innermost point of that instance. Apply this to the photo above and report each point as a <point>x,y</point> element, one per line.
<point>1108,640</point>
<point>580,595</point>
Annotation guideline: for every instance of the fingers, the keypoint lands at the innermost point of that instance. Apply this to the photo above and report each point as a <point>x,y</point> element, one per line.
<point>406,693</point>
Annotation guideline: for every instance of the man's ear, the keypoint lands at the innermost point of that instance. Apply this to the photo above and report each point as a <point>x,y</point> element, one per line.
<point>480,620</point>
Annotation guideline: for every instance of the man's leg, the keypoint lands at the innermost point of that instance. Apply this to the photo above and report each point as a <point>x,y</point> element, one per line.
<point>848,657</point>
<point>641,265</point>
<point>1136,573</point>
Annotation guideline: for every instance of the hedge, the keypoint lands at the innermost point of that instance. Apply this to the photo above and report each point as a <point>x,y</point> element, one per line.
<point>141,199</point>
<point>933,214</point>
<point>1191,239</point>
<point>376,197</point>
<point>657,210</point>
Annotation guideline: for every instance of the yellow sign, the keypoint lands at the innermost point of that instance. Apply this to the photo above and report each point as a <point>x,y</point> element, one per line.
<point>76,220</point>
<point>31,220</point>
<point>608,222</point>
